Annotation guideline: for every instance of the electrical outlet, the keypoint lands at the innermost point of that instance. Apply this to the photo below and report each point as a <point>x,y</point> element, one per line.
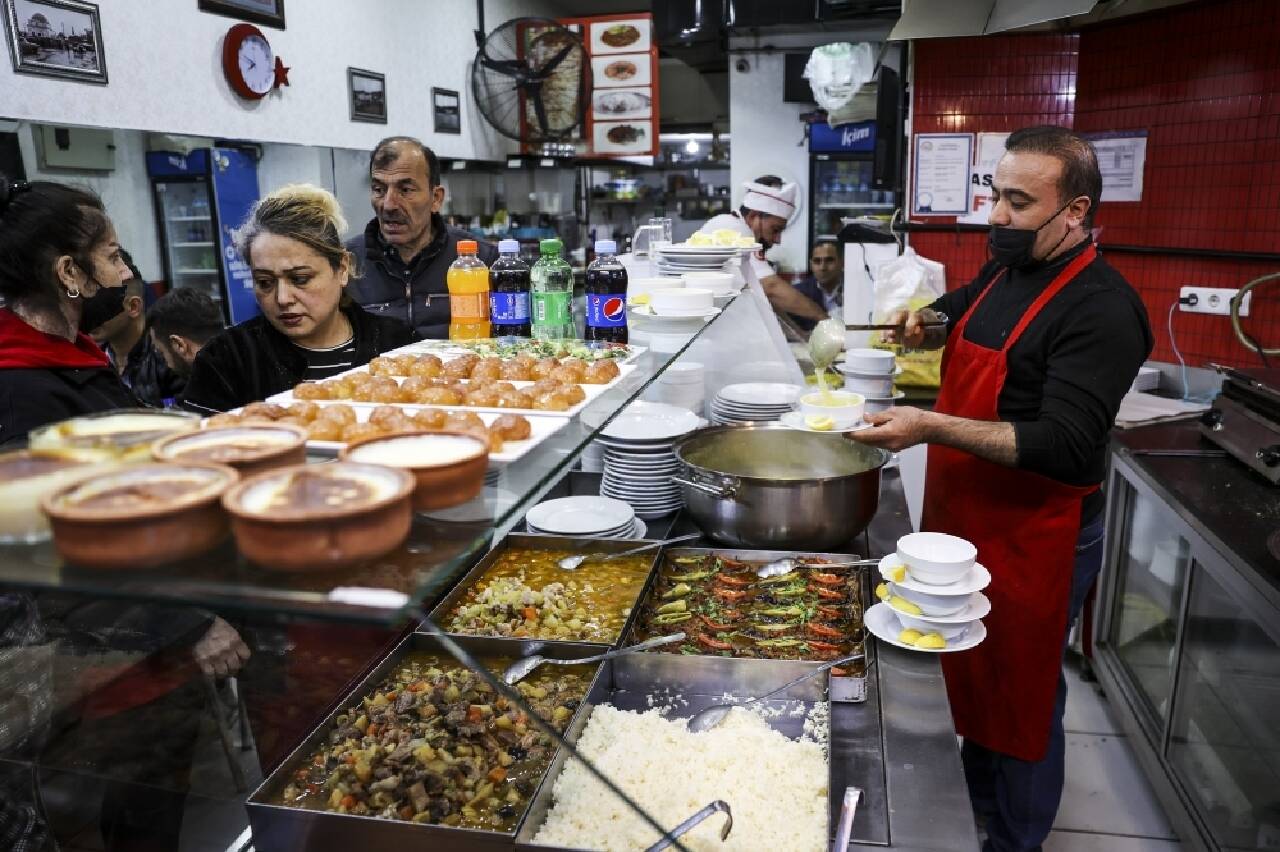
<point>1211,300</point>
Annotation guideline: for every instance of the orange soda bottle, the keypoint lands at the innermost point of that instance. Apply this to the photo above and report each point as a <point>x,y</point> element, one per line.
<point>468,283</point>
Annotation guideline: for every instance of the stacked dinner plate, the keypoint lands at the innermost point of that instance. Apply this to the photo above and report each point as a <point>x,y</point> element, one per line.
<point>638,460</point>
<point>753,402</point>
<point>676,259</point>
<point>585,517</point>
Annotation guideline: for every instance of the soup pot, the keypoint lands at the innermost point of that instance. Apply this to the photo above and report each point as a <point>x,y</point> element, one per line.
<point>767,486</point>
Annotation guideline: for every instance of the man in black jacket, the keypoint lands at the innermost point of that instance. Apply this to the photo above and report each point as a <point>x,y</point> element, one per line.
<point>406,248</point>
<point>117,322</point>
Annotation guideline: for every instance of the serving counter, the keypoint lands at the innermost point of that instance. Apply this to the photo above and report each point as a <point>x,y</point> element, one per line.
<point>105,716</point>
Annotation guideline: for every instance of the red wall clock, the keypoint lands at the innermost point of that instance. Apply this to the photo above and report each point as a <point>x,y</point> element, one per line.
<point>252,68</point>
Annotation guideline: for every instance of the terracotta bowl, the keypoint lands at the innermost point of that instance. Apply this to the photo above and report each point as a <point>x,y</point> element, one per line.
<point>448,467</point>
<point>251,449</point>
<point>125,434</point>
<point>316,517</point>
<point>140,516</point>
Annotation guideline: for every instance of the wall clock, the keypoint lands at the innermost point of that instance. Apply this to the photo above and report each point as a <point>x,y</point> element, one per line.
<point>252,68</point>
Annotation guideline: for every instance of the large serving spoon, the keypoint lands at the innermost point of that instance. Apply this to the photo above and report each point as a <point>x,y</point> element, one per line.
<point>571,563</point>
<point>521,668</point>
<point>787,565</point>
<point>705,720</point>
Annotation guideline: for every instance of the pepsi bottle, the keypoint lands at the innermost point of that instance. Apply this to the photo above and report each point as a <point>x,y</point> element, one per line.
<point>606,296</point>
<point>509,292</point>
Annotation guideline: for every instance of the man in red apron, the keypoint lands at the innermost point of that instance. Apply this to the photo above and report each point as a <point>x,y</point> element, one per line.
<point>1041,347</point>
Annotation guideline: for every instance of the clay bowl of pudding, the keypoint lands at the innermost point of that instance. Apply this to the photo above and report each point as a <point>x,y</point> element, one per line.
<point>252,448</point>
<point>316,517</point>
<point>140,516</point>
<point>447,467</point>
<point>26,476</point>
<point>124,434</point>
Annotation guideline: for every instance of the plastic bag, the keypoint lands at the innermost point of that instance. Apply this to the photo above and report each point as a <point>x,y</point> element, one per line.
<point>837,71</point>
<point>912,282</point>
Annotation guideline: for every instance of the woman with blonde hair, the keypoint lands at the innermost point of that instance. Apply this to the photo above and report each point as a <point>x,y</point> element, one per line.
<point>309,328</point>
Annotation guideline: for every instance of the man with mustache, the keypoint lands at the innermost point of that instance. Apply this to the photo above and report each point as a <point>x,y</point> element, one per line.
<point>406,248</point>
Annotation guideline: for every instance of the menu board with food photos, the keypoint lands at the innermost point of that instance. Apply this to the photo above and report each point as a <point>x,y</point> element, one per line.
<point>622,113</point>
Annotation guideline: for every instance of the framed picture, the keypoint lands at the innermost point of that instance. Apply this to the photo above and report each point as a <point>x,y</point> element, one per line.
<point>447,107</point>
<point>367,93</point>
<point>269,13</point>
<point>56,38</point>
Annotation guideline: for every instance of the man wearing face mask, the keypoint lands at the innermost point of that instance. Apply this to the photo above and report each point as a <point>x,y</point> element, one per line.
<point>1041,348</point>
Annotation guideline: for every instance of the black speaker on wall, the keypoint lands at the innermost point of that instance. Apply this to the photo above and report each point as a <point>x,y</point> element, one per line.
<point>886,167</point>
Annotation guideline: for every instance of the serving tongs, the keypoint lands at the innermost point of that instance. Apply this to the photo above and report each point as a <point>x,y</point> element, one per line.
<point>521,668</point>
<point>789,564</point>
<point>688,825</point>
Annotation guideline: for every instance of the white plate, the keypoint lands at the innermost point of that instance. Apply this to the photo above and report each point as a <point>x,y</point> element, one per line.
<point>979,606</point>
<point>642,500</point>
<point>641,529</point>
<point>683,249</point>
<point>795,420</point>
<point>977,580</point>
<point>840,368</point>
<point>884,625</point>
<point>768,394</point>
<point>651,422</point>
<point>692,313</point>
<point>573,515</point>
<point>898,395</point>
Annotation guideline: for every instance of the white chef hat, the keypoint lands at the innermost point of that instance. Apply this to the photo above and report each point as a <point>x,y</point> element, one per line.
<point>776,201</point>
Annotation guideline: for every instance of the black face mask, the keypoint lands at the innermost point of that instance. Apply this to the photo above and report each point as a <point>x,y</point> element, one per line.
<point>1013,247</point>
<point>104,305</point>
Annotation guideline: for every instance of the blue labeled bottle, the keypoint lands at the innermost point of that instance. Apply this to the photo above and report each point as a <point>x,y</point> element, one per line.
<point>509,292</point>
<point>606,296</point>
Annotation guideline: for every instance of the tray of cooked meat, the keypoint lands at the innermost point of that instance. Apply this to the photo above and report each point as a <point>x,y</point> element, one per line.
<point>422,754</point>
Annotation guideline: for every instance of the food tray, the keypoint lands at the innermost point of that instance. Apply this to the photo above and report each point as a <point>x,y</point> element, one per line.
<point>628,682</point>
<point>851,688</point>
<point>280,828</point>
<point>548,542</point>
<point>590,391</point>
<point>449,348</point>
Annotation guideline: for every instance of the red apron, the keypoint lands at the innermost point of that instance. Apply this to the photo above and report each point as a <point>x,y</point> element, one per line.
<point>1025,527</point>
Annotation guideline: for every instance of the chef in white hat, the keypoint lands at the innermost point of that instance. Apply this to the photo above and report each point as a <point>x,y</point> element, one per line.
<point>767,206</point>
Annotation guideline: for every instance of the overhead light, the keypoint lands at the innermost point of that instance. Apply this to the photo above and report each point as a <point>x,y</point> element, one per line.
<point>691,146</point>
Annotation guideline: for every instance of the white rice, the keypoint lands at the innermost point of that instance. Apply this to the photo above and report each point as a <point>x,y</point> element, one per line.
<point>776,787</point>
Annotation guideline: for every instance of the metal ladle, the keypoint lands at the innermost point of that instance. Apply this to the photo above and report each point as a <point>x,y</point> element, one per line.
<point>705,720</point>
<point>571,563</point>
<point>787,565</point>
<point>521,668</point>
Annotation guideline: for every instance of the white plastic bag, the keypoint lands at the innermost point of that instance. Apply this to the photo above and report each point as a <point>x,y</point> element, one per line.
<point>837,71</point>
<point>912,282</point>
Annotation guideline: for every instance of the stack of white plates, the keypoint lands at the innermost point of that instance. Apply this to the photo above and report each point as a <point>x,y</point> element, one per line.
<point>638,460</point>
<point>870,372</point>
<point>683,384</point>
<point>585,517</point>
<point>675,260</point>
<point>753,402</point>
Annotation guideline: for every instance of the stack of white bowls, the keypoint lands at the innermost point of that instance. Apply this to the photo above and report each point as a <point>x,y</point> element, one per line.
<point>683,384</point>
<point>723,285</point>
<point>753,402</point>
<point>870,372</point>
<point>638,457</point>
<point>932,585</point>
<point>585,517</point>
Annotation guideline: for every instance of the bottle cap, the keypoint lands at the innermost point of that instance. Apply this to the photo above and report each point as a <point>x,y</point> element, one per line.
<point>606,247</point>
<point>551,246</point>
<point>467,247</point>
<point>509,246</point>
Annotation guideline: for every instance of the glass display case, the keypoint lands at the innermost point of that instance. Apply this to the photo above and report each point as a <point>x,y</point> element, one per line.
<point>1188,632</point>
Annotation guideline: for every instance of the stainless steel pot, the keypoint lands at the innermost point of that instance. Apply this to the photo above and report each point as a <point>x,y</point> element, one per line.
<point>768,486</point>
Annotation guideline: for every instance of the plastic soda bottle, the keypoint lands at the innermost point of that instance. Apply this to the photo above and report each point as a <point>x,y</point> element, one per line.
<point>606,296</point>
<point>468,283</point>
<point>509,292</point>
<point>551,294</point>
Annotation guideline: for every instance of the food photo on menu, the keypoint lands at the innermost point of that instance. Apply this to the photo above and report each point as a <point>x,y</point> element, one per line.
<point>611,72</point>
<point>620,36</point>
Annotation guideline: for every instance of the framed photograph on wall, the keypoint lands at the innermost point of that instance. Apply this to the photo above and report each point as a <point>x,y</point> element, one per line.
<point>269,13</point>
<point>447,107</point>
<point>56,38</point>
<point>367,93</point>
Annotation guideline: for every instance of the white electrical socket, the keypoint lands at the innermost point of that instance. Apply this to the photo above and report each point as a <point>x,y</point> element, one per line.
<point>1212,300</point>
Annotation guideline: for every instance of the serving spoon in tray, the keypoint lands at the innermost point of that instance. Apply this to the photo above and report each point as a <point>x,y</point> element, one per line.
<point>571,563</point>
<point>788,564</point>
<point>706,719</point>
<point>521,668</point>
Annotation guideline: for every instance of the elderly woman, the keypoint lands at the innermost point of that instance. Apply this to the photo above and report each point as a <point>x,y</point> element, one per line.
<point>309,329</point>
<point>57,248</point>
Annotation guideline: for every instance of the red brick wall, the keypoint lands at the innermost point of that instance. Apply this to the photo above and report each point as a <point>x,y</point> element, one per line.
<point>1204,81</point>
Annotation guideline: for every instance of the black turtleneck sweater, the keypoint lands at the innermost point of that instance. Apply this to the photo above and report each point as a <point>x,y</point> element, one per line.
<point>1071,367</point>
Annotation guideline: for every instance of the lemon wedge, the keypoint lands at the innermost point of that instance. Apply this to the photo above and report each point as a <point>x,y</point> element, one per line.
<point>901,604</point>
<point>882,591</point>
<point>820,424</point>
<point>639,299</point>
<point>931,640</point>
<point>909,636</point>
<point>898,574</point>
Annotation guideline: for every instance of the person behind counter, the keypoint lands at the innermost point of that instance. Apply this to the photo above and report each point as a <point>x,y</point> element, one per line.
<point>824,286</point>
<point>58,248</point>
<point>407,248</point>
<point>309,329</point>
<point>1040,349</point>
<point>180,323</point>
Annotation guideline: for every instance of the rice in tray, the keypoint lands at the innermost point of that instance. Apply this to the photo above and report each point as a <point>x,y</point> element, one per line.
<point>776,787</point>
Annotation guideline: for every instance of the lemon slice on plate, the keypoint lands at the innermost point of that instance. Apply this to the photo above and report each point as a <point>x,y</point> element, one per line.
<point>910,636</point>
<point>882,591</point>
<point>931,640</point>
<point>639,299</point>
<point>901,604</point>
<point>820,424</point>
<point>898,574</point>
